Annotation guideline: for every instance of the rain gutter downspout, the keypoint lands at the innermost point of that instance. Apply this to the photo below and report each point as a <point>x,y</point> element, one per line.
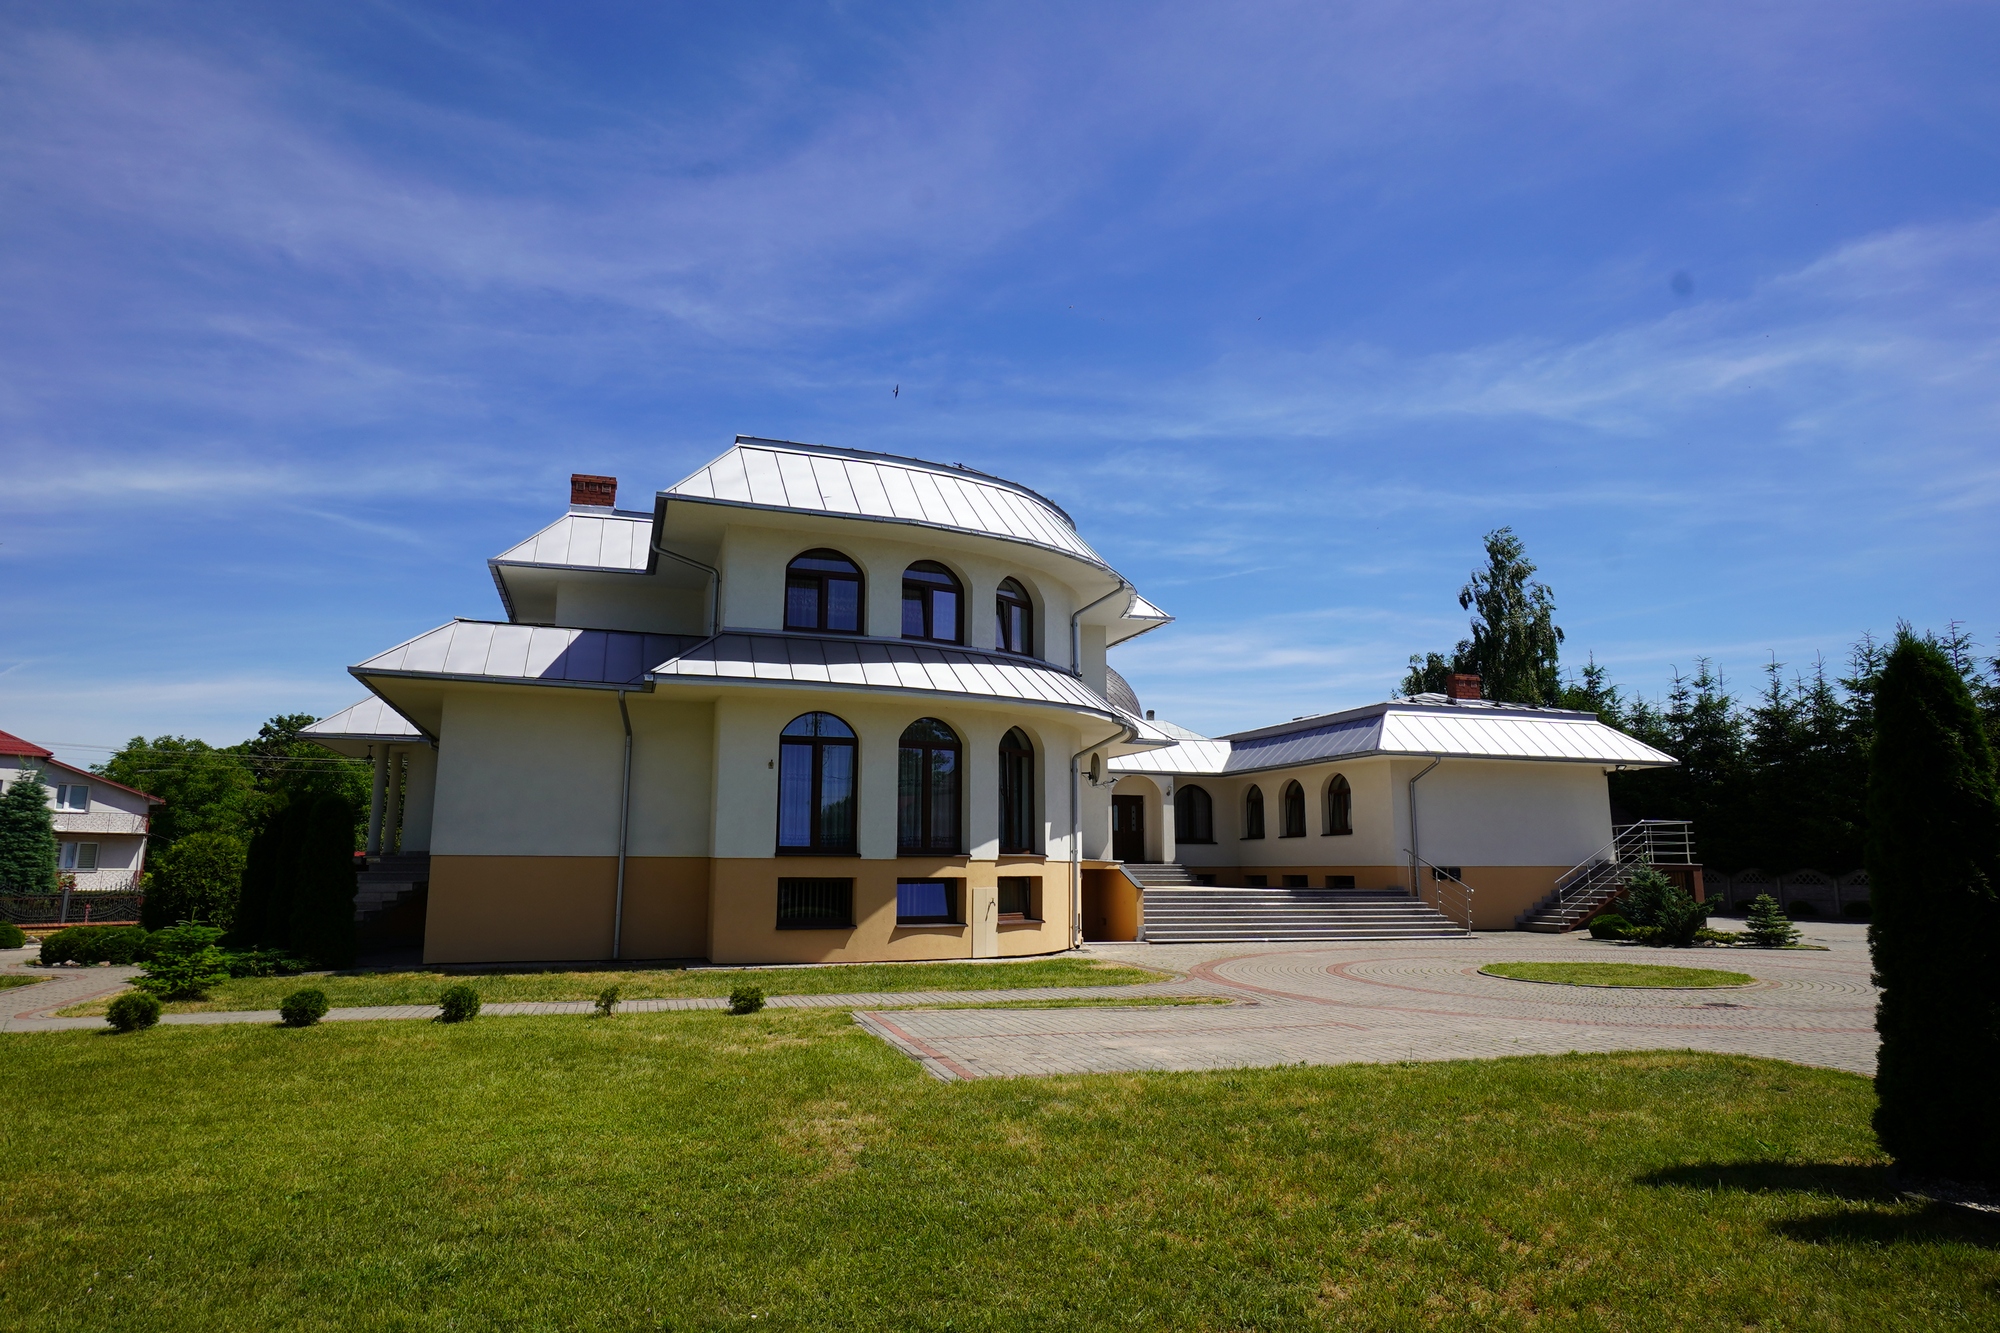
<point>1416,879</point>
<point>624,822</point>
<point>714,585</point>
<point>1076,829</point>
<point>1075,636</point>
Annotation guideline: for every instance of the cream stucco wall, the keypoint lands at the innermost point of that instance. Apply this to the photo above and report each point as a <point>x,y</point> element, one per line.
<point>630,602</point>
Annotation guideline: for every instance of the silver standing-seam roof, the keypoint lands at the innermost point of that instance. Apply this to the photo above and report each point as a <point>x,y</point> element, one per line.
<point>1414,728</point>
<point>487,650</point>
<point>370,720</point>
<point>852,483</point>
<point>587,537</point>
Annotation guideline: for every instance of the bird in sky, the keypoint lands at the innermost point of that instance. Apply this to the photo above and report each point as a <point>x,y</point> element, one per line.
<point>896,392</point>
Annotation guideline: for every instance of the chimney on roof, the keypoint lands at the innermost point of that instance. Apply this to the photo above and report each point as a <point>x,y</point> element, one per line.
<point>1462,685</point>
<point>585,489</point>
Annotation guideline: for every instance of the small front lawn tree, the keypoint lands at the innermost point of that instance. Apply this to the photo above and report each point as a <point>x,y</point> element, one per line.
<point>27,836</point>
<point>198,878</point>
<point>1933,845</point>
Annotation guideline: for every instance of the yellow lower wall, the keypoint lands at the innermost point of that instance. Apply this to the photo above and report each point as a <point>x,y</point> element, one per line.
<point>495,909</point>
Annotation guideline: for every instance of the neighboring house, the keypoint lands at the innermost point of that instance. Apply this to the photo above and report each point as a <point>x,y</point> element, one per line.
<point>101,825</point>
<point>818,704</point>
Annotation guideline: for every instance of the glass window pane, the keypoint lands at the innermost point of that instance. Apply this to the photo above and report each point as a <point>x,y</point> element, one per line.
<point>909,798</point>
<point>944,615</point>
<point>836,797</point>
<point>913,613</point>
<point>829,561</point>
<point>795,795</point>
<point>843,605</point>
<point>802,605</point>
<point>86,856</point>
<point>68,858</point>
<point>924,899</point>
<point>944,800</point>
<point>829,725</point>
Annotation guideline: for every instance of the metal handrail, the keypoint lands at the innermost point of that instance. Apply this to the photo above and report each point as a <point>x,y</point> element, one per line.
<point>1440,876</point>
<point>1646,842</point>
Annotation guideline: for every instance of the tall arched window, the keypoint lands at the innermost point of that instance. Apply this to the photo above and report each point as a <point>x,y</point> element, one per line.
<point>1292,811</point>
<point>931,600</point>
<point>1017,793</point>
<point>1339,806</point>
<point>1194,815</point>
<point>1014,615</point>
<point>927,788</point>
<point>816,785</point>
<point>823,592</point>
<point>1253,813</point>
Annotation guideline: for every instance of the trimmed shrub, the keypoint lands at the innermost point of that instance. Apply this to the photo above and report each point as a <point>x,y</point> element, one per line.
<point>263,963</point>
<point>12,936</point>
<point>1770,928</point>
<point>198,878</point>
<point>1609,926</point>
<point>302,1008</point>
<point>1933,863</point>
<point>132,1011</point>
<point>122,945</point>
<point>1707,936</point>
<point>183,962</point>
<point>1663,913</point>
<point>458,1004</point>
<point>746,1000</point>
<point>607,1002</point>
<point>1799,908</point>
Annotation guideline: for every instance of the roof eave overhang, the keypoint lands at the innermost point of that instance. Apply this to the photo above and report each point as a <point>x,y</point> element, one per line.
<point>1432,754</point>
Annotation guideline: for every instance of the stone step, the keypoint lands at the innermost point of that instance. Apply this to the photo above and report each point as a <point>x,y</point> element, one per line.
<point>1188,915</point>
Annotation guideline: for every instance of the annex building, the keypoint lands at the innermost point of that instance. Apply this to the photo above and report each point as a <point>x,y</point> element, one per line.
<point>819,704</point>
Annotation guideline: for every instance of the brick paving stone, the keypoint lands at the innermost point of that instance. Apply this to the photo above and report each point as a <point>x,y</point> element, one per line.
<point>1393,1000</point>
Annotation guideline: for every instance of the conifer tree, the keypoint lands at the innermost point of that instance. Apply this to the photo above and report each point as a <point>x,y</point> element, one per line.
<point>322,893</point>
<point>28,849</point>
<point>1769,927</point>
<point>1933,851</point>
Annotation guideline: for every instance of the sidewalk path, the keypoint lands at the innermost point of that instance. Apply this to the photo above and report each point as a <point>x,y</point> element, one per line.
<point>1394,1000</point>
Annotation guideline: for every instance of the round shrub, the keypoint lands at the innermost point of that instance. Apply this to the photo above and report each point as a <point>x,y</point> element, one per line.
<point>607,1002</point>
<point>95,944</point>
<point>746,1000</point>
<point>133,1010</point>
<point>12,936</point>
<point>302,1008</point>
<point>1609,926</point>
<point>458,1004</point>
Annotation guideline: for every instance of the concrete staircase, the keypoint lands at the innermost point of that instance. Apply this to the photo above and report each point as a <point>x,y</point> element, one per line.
<point>1571,908</point>
<point>388,882</point>
<point>1179,912</point>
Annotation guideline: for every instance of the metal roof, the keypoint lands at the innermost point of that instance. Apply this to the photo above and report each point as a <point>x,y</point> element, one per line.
<point>530,654</point>
<point>1414,728</point>
<point>802,659</point>
<point>369,720</point>
<point>781,474</point>
<point>587,538</point>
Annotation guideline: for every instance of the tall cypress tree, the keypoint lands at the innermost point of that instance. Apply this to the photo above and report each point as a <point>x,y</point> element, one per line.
<point>1933,850</point>
<point>322,898</point>
<point>27,836</point>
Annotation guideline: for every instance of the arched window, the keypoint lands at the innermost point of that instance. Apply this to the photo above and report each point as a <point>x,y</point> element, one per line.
<point>927,788</point>
<point>1014,630</point>
<point>823,592</point>
<point>816,785</point>
<point>1292,811</point>
<point>931,598</point>
<point>1339,806</point>
<point>1253,813</point>
<point>1194,815</point>
<point>1017,793</point>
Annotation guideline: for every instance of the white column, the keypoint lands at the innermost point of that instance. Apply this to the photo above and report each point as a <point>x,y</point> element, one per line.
<point>375,800</point>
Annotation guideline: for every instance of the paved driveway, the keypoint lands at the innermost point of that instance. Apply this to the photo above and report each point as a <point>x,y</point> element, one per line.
<point>1418,1000</point>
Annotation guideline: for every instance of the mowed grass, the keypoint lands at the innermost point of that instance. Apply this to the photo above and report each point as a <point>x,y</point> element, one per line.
<point>9,980</point>
<point>346,990</point>
<point>1619,974</point>
<point>787,1171</point>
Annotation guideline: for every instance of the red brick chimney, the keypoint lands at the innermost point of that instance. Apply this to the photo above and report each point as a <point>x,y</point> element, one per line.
<point>585,489</point>
<point>1462,685</point>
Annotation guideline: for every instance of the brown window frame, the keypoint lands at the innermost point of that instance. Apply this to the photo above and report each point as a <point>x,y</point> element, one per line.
<point>1017,794</point>
<point>1010,594</point>
<point>1253,813</point>
<point>926,588</point>
<point>1029,887</point>
<point>1338,807</point>
<point>818,579</point>
<point>1292,810</point>
<point>925,796</point>
<point>816,746</point>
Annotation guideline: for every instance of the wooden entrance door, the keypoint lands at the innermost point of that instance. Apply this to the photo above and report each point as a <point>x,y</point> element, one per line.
<point>1128,828</point>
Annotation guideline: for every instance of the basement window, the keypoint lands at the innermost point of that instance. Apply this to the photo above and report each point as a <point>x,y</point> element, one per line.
<point>815,904</point>
<point>1017,898</point>
<point>1340,881</point>
<point>927,902</point>
<point>1256,881</point>
<point>1295,881</point>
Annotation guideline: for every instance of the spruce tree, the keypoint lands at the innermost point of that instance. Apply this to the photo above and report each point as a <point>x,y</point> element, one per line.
<point>28,851</point>
<point>263,911</point>
<point>1933,844</point>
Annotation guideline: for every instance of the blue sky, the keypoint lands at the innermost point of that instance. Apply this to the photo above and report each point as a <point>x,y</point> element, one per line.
<point>307,310</point>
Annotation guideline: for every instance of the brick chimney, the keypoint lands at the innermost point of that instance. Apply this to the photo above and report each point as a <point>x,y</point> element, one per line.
<point>1462,685</point>
<point>585,489</point>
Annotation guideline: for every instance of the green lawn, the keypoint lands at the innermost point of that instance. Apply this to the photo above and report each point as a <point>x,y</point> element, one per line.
<point>1619,974</point>
<point>421,985</point>
<point>9,980</point>
<point>787,1171</point>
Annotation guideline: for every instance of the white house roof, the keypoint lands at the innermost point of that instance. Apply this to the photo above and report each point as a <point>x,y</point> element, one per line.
<point>779,474</point>
<point>587,537</point>
<point>1424,726</point>
<point>369,720</point>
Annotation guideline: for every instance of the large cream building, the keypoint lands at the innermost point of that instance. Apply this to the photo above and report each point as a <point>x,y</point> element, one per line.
<point>818,704</point>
